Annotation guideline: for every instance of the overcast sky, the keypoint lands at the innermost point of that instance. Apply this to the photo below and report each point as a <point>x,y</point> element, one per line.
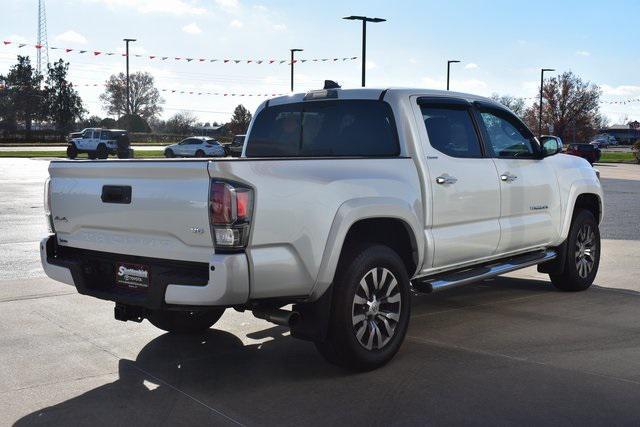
<point>502,45</point>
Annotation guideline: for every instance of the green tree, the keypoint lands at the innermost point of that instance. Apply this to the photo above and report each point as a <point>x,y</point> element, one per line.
<point>240,120</point>
<point>63,103</point>
<point>145,100</point>
<point>570,107</point>
<point>22,99</point>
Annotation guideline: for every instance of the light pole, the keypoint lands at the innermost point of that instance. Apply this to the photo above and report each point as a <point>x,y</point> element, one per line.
<point>364,20</point>
<point>453,61</point>
<point>542,71</point>
<point>292,62</point>
<point>126,41</point>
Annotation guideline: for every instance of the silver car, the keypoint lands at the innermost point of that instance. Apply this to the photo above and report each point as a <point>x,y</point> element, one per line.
<point>195,146</point>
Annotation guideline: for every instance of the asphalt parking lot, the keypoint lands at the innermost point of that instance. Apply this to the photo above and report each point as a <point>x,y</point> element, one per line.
<point>508,350</point>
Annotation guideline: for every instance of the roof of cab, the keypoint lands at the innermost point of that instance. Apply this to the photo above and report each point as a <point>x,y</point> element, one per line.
<point>375,93</point>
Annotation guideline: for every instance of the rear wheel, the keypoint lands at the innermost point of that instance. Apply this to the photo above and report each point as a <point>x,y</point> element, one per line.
<point>199,153</point>
<point>125,154</point>
<point>72,151</point>
<point>185,322</point>
<point>102,152</point>
<point>370,309</point>
<point>583,254</point>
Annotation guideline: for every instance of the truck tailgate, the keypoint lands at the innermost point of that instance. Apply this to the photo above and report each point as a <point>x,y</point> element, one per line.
<point>166,217</point>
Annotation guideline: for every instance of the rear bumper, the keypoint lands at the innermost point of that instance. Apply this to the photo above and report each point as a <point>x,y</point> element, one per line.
<point>223,281</point>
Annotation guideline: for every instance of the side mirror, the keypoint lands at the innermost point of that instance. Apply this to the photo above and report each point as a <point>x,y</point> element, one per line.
<point>551,147</point>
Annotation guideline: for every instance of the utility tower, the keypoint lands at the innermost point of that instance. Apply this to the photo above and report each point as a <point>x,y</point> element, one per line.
<point>42,37</point>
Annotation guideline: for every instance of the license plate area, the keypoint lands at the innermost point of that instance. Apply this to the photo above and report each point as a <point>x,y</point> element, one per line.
<point>133,276</point>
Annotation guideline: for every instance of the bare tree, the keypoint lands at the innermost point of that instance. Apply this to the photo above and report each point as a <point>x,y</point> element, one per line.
<point>145,100</point>
<point>571,107</point>
<point>513,103</point>
<point>181,123</point>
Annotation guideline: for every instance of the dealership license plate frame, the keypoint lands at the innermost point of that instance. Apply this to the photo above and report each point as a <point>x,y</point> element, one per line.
<point>133,276</point>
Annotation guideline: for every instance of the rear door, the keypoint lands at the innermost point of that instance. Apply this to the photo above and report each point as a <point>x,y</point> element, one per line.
<point>530,200</point>
<point>465,194</point>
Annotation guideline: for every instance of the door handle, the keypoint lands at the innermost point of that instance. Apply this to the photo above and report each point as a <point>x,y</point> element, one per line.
<point>507,177</point>
<point>446,179</point>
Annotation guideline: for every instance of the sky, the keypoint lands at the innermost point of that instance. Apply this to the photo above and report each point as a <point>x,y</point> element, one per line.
<point>501,44</point>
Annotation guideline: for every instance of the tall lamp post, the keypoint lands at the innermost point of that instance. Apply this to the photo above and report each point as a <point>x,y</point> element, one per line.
<point>293,51</point>
<point>127,41</point>
<point>542,71</point>
<point>364,20</point>
<point>453,61</point>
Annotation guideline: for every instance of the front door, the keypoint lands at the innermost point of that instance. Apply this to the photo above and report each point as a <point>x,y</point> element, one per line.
<point>530,200</point>
<point>465,189</point>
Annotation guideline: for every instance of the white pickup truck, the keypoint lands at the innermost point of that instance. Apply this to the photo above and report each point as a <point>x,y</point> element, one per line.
<point>342,204</point>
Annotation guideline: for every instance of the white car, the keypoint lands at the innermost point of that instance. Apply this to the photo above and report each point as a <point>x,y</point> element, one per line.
<point>195,146</point>
<point>99,143</point>
<point>380,193</point>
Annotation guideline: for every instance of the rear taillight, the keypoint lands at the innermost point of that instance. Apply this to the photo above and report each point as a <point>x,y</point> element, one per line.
<point>231,207</point>
<point>47,205</point>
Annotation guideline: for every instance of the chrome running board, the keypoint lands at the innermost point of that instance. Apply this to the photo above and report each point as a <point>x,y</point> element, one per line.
<point>453,279</point>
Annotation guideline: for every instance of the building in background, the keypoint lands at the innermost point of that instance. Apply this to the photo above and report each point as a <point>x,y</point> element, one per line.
<point>624,134</point>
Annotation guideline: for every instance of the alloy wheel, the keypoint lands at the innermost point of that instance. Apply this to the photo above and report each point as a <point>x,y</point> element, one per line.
<point>376,308</point>
<point>585,250</point>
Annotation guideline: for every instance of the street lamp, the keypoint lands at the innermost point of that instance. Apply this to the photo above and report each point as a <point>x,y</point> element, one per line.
<point>292,62</point>
<point>126,41</point>
<point>453,61</point>
<point>542,71</point>
<point>364,20</point>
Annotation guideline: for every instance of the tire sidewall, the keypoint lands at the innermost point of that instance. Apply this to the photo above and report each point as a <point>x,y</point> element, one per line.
<point>583,217</point>
<point>368,258</point>
<point>72,151</point>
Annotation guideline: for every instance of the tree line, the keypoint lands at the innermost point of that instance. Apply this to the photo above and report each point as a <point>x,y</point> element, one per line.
<point>570,105</point>
<point>27,97</point>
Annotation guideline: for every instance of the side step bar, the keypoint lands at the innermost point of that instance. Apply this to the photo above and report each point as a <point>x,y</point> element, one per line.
<point>448,280</point>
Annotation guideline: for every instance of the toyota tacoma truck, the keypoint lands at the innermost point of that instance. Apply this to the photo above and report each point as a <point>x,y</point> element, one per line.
<point>343,203</point>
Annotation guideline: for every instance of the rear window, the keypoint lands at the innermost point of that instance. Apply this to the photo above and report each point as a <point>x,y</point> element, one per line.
<point>325,129</point>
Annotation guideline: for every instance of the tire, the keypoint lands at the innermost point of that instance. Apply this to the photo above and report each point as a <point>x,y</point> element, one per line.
<point>199,153</point>
<point>169,153</point>
<point>72,151</point>
<point>102,152</point>
<point>583,254</point>
<point>185,322</point>
<point>369,343</point>
<point>125,154</point>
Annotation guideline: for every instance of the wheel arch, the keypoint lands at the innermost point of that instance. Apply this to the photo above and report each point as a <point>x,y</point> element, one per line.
<point>394,222</point>
<point>582,197</point>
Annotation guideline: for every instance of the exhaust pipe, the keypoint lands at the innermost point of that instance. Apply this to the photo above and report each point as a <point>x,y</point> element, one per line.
<point>277,316</point>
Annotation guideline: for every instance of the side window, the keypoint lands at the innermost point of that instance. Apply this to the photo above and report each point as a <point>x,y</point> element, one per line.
<point>507,137</point>
<point>87,134</point>
<point>451,131</point>
<point>105,135</point>
<point>184,142</point>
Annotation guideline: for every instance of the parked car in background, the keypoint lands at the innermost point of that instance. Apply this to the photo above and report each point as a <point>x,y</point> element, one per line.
<point>545,138</point>
<point>195,146</point>
<point>99,143</point>
<point>604,140</point>
<point>589,152</point>
<point>234,149</point>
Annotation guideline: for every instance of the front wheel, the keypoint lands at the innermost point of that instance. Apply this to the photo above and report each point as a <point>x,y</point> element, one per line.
<point>583,254</point>
<point>370,309</point>
<point>185,322</point>
<point>199,153</point>
<point>169,153</point>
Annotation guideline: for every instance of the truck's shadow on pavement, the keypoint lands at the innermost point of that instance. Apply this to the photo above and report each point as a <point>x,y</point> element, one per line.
<point>214,378</point>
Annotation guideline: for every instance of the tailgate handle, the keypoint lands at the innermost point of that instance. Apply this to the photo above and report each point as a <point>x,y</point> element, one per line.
<point>116,194</point>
